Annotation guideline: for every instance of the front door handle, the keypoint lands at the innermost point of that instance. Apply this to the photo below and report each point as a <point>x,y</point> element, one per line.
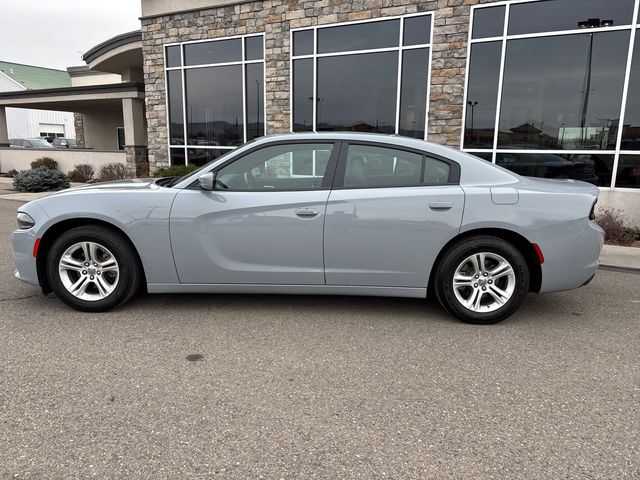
<point>440,205</point>
<point>307,212</point>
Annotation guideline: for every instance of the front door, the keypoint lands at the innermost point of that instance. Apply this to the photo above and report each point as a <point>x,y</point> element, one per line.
<point>263,222</point>
<point>388,217</point>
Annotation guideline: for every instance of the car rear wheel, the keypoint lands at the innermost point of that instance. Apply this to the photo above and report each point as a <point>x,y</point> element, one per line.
<point>482,280</point>
<point>93,268</point>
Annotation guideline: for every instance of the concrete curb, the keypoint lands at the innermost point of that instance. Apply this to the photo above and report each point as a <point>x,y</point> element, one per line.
<point>618,258</point>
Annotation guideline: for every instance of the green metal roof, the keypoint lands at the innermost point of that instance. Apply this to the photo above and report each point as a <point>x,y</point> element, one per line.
<point>35,78</point>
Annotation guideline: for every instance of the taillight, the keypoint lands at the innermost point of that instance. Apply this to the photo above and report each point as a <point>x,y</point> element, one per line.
<point>592,215</point>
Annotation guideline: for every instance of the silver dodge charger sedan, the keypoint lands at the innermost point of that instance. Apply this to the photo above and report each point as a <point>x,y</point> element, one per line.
<point>334,213</point>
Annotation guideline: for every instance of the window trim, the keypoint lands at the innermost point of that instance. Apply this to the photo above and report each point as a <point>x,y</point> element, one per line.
<point>338,183</point>
<point>400,49</point>
<point>632,28</point>
<point>327,180</point>
<point>183,69</point>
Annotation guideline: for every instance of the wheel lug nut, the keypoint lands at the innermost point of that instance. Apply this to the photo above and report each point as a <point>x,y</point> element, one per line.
<point>477,276</point>
<point>484,288</point>
<point>84,272</point>
<point>486,274</point>
<point>98,273</point>
<point>86,264</point>
<point>490,282</point>
<point>475,285</point>
<point>91,277</point>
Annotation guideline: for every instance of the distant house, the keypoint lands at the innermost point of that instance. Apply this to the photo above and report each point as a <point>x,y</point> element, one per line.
<point>26,122</point>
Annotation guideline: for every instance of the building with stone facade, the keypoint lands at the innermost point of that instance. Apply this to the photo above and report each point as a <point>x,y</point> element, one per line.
<point>547,88</point>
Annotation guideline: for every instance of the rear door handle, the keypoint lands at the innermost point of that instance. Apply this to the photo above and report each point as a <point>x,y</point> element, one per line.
<point>440,205</point>
<point>307,212</point>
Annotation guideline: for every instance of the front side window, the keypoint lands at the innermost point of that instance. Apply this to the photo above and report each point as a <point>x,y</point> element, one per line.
<point>215,97</point>
<point>365,76</point>
<point>374,167</point>
<point>277,168</point>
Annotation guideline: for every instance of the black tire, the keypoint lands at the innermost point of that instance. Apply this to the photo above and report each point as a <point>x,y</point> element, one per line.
<point>454,258</point>
<point>129,279</point>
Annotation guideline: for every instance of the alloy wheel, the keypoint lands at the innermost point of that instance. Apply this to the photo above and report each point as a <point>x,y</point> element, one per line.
<point>89,271</point>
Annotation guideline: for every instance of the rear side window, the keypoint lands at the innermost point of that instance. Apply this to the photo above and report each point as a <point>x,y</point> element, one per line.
<point>373,167</point>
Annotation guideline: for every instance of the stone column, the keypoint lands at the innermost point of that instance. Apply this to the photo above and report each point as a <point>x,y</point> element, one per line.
<point>135,135</point>
<point>4,135</point>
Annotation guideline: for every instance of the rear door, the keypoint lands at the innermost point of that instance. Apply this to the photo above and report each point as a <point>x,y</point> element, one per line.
<point>388,216</point>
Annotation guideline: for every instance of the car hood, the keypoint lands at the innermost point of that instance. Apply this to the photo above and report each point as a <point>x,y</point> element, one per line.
<point>119,185</point>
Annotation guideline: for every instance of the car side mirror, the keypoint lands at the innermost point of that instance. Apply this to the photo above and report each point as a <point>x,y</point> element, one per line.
<point>207,181</point>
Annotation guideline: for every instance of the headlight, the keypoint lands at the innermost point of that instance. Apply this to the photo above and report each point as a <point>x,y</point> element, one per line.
<point>25,221</point>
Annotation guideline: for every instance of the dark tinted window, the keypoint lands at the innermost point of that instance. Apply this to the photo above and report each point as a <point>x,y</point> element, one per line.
<point>255,100</point>
<point>253,48</point>
<point>303,95</point>
<point>488,156</point>
<point>628,171</point>
<point>594,169</point>
<point>359,36</point>
<point>214,106</point>
<point>488,22</point>
<point>177,156</point>
<point>173,56</point>
<point>631,131</point>
<point>200,156</point>
<point>563,92</point>
<point>370,167</point>
<point>176,117</point>
<point>482,94</point>
<point>213,52</point>
<point>358,92</point>
<point>417,30</point>
<point>277,168</point>
<point>552,15</point>
<point>303,42</point>
<point>413,92</point>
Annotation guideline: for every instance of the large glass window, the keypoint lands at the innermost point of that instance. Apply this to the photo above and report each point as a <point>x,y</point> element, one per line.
<point>631,130</point>
<point>545,98</point>
<point>628,171</point>
<point>216,99</point>
<point>365,76</point>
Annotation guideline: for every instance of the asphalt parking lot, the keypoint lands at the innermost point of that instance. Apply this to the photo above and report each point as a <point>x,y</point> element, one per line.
<point>185,386</point>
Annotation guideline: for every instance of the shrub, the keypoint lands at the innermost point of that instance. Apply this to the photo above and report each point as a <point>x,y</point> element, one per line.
<point>41,180</point>
<point>12,173</point>
<point>612,222</point>
<point>174,171</point>
<point>142,171</point>
<point>114,171</point>
<point>82,173</point>
<point>45,162</point>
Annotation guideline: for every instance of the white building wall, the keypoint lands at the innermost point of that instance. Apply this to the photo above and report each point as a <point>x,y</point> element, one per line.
<point>24,122</point>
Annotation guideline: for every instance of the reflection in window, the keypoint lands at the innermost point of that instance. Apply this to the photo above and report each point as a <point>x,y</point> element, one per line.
<point>219,51</point>
<point>173,56</point>
<point>254,77</point>
<point>303,95</point>
<point>359,36</point>
<point>628,171</point>
<point>563,92</point>
<point>488,156</point>
<point>357,92</point>
<point>488,22</point>
<point>555,15</point>
<point>253,48</point>
<point>174,90</point>
<point>482,94</point>
<point>631,130</point>
<point>417,30</point>
<point>413,92</point>
<point>214,106</point>
<point>200,156</point>
<point>594,168</point>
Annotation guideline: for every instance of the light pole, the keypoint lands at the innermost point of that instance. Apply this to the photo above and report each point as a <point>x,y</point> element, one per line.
<point>472,104</point>
<point>590,23</point>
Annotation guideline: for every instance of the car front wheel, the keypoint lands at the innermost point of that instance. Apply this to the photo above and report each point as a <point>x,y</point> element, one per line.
<point>93,268</point>
<point>482,280</point>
